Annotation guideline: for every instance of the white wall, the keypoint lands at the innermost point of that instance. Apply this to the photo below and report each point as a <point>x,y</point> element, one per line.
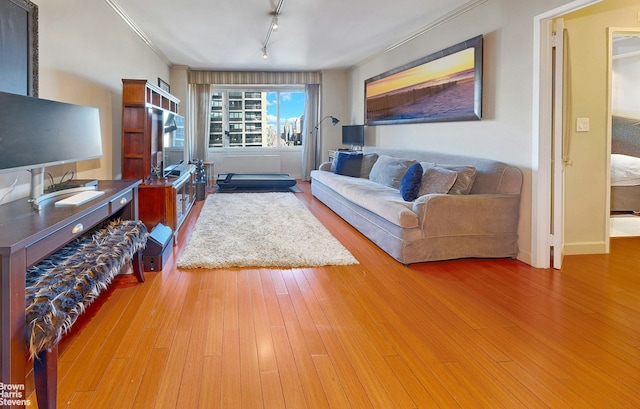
<point>85,50</point>
<point>334,102</point>
<point>625,92</point>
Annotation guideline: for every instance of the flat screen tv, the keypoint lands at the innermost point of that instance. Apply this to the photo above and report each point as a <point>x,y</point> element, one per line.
<point>35,133</point>
<point>173,129</point>
<point>353,135</point>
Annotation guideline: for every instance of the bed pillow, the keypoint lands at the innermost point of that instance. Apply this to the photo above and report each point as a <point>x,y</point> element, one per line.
<point>348,163</point>
<point>388,170</point>
<point>437,179</point>
<point>410,183</point>
<point>464,181</point>
<point>625,170</point>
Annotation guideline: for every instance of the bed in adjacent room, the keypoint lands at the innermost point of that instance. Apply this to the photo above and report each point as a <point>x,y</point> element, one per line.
<point>625,164</point>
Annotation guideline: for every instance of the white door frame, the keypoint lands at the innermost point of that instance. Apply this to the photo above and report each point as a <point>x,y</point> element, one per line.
<point>541,140</point>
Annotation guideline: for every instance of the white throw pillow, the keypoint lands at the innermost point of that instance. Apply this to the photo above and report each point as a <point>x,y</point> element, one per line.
<point>388,170</point>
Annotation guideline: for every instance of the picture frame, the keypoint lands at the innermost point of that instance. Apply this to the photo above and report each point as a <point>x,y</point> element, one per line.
<point>441,87</point>
<point>19,47</point>
<point>164,85</point>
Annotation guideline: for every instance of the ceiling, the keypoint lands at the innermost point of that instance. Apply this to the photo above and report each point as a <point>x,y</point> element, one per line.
<point>312,34</point>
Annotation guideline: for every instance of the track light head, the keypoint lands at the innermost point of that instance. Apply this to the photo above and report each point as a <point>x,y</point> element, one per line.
<point>274,24</point>
<point>264,52</point>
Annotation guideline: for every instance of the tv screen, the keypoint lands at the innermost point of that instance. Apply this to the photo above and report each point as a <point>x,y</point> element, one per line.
<point>353,135</point>
<point>35,133</point>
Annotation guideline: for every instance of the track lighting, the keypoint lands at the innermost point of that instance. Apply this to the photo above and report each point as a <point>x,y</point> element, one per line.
<point>273,27</point>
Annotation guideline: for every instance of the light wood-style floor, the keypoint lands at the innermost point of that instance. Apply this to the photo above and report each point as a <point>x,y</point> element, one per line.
<point>464,333</point>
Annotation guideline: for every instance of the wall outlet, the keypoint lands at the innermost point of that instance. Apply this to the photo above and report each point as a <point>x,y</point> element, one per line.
<point>582,125</point>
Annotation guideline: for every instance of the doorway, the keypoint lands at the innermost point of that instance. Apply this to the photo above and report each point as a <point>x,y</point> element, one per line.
<point>624,114</point>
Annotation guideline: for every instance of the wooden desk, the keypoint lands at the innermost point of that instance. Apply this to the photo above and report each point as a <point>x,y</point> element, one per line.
<point>26,237</point>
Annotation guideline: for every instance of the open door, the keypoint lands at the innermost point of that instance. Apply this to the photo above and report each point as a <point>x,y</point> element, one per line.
<point>560,135</point>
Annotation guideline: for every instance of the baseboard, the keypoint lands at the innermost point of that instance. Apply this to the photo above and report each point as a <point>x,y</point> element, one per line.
<point>587,247</point>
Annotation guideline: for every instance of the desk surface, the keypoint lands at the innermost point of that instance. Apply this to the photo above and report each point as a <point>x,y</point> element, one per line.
<point>20,222</point>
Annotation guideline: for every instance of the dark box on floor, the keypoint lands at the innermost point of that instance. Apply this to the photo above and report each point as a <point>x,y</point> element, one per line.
<point>159,247</point>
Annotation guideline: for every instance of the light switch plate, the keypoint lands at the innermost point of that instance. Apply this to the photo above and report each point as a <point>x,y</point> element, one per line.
<point>582,125</point>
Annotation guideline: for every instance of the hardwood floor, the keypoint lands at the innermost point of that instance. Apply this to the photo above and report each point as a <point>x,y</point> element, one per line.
<point>463,333</point>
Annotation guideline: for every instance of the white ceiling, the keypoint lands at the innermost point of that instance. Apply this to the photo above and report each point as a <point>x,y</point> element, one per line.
<point>313,34</point>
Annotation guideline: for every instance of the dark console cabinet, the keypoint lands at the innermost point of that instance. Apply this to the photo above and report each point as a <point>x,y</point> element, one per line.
<point>165,200</point>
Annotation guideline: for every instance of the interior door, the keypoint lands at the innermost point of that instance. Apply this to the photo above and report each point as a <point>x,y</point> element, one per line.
<point>558,143</point>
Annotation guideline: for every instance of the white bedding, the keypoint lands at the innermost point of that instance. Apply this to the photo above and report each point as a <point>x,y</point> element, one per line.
<point>625,170</point>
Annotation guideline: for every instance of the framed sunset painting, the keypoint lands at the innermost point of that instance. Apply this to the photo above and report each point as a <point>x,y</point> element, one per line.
<point>443,86</point>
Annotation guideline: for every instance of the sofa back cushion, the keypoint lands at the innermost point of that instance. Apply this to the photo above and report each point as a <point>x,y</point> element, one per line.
<point>388,170</point>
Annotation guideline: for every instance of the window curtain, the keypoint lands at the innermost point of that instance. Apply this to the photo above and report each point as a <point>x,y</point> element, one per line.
<point>311,153</point>
<point>199,112</point>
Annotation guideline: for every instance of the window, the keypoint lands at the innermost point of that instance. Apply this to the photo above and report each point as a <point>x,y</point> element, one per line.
<point>251,118</point>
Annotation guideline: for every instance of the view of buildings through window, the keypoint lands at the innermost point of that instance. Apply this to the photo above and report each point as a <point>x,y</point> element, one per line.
<point>248,118</point>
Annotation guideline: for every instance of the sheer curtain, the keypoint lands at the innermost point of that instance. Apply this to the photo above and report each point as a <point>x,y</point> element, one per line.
<point>198,125</point>
<point>311,154</point>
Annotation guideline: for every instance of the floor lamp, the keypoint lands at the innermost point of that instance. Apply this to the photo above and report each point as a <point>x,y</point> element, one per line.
<point>316,155</point>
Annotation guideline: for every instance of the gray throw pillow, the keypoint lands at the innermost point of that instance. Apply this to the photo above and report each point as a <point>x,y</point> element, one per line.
<point>368,160</point>
<point>437,180</point>
<point>464,182</point>
<point>388,171</point>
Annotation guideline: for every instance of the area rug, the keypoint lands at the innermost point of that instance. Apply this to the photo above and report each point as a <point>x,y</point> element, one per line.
<point>260,230</point>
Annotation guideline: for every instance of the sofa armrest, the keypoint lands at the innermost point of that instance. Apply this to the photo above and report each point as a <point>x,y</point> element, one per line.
<point>326,166</point>
<point>474,214</point>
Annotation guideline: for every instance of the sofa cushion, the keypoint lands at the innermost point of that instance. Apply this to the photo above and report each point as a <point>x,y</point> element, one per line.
<point>382,200</point>
<point>437,180</point>
<point>410,183</point>
<point>368,160</point>
<point>388,171</point>
<point>348,163</point>
<point>464,181</point>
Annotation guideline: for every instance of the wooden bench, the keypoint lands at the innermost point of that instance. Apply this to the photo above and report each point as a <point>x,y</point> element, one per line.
<point>60,287</point>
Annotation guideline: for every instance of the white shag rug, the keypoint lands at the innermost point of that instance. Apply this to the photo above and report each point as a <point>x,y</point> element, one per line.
<point>260,230</point>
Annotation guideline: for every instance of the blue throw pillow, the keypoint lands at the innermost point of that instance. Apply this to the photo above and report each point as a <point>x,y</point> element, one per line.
<point>348,163</point>
<point>410,183</point>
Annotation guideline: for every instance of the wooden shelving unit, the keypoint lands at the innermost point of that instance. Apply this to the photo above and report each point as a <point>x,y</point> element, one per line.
<point>161,200</point>
<point>142,107</point>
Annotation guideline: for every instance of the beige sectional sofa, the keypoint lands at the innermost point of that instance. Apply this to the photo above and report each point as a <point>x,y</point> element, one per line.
<point>475,216</point>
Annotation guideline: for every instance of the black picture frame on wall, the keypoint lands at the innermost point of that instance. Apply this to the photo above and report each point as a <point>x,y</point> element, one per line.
<point>19,47</point>
<point>443,86</point>
<point>164,85</point>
